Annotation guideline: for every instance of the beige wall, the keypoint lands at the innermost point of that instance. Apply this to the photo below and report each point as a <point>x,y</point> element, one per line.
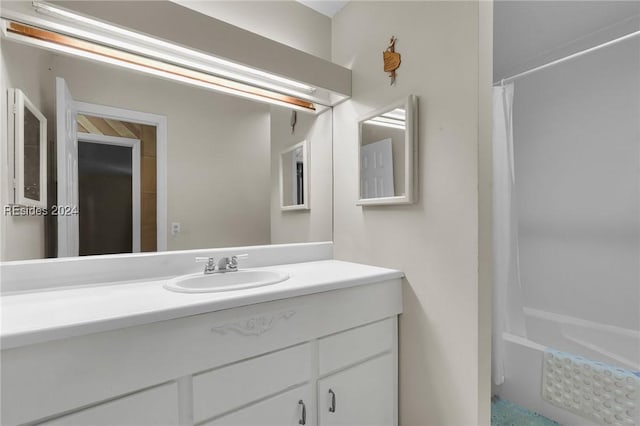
<point>218,146</point>
<point>287,22</point>
<point>485,206</point>
<point>443,375</point>
<point>316,223</point>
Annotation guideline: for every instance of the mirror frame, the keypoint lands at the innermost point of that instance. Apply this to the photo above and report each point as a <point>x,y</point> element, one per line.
<point>18,102</point>
<point>305,177</point>
<point>410,104</point>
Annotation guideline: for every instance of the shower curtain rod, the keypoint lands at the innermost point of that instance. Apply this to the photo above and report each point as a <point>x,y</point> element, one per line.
<point>567,58</point>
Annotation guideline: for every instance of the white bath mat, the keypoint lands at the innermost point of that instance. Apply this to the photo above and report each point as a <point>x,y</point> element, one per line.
<point>605,394</point>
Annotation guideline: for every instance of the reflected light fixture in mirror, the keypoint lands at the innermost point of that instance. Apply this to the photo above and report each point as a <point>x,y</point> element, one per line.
<point>114,45</point>
<point>394,119</point>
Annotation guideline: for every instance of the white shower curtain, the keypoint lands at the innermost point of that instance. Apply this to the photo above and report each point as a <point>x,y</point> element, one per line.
<point>508,313</point>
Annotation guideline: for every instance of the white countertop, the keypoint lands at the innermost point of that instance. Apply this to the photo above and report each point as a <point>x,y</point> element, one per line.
<point>52,314</point>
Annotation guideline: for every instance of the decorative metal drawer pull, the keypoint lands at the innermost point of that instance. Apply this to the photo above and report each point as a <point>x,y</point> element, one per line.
<point>303,419</point>
<point>332,407</point>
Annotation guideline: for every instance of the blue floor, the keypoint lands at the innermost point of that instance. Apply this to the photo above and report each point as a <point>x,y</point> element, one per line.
<point>505,413</point>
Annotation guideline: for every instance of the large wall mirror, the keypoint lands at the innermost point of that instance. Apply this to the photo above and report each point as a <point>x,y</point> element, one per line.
<point>156,164</point>
<point>387,146</point>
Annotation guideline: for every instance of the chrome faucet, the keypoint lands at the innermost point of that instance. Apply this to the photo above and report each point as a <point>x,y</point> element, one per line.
<point>224,264</point>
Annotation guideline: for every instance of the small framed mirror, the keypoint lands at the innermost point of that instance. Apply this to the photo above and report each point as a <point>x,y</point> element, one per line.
<point>294,177</point>
<point>28,132</point>
<point>387,154</point>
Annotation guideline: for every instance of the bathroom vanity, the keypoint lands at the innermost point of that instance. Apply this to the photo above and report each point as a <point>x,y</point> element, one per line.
<point>318,349</point>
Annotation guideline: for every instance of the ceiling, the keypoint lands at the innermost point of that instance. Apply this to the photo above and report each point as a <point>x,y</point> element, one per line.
<point>326,7</point>
<point>530,33</point>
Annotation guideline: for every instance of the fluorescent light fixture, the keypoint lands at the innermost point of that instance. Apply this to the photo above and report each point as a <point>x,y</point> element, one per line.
<point>74,46</point>
<point>394,119</point>
<point>79,35</point>
<point>225,67</point>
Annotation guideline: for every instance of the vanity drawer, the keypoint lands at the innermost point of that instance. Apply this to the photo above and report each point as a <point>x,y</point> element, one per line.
<point>227,388</point>
<point>290,408</point>
<point>156,406</point>
<point>349,347</point>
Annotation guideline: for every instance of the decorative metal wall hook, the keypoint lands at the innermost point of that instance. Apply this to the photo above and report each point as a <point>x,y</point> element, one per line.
<point>391,59</point>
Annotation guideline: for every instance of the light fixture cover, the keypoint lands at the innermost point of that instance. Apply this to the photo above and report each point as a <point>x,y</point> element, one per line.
<point>79,35</point>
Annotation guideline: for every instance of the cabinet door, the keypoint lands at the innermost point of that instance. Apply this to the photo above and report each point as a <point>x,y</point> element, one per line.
<point>363,395</point>
<point>153,407</point>
<point>292,407</point>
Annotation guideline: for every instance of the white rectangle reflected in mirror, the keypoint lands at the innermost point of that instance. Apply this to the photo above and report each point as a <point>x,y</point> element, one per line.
<point>294,181</point>
<point>387,154</point>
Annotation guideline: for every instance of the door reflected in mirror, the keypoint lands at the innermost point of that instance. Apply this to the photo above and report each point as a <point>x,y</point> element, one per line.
<point>386,154</point>
<point>294,182</point>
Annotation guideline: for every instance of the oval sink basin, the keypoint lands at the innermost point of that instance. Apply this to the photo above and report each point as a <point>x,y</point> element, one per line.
<point>225,281</point>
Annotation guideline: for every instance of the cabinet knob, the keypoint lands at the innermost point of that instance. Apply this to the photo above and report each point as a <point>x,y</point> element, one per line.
<point>303,418</point>
<point>332,407</point>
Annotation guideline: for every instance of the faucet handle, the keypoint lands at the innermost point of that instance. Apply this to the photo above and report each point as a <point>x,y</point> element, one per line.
<point>234,259</point>
<point>239,256</point>
<point>204,259</point>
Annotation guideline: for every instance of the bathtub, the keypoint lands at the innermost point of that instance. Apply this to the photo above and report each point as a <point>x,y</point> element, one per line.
<point>612,345</point>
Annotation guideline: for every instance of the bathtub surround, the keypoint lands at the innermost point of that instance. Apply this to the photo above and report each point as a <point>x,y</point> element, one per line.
<point>579,209</point>
<point>443,356</point>
<point>577,150</point>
